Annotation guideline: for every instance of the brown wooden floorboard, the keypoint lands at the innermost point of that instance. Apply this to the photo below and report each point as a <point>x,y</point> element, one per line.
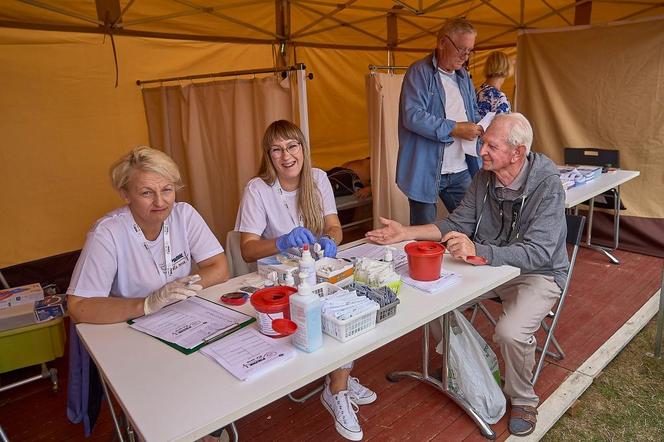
<point>601,298</point>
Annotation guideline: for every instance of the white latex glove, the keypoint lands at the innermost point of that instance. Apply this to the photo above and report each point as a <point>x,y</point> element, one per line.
<point>177,290</point>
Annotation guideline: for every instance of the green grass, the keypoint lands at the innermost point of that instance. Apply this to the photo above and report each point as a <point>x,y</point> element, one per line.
<point>624,403</point>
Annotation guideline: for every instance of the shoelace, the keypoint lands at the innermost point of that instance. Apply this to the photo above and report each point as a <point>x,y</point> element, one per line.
<point>356,388</point>
<point>347,410</point>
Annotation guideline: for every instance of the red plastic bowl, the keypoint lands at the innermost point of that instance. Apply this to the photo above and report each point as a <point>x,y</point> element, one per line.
<point>425,259</point>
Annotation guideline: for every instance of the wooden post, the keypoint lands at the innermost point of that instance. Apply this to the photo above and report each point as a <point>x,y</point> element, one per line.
<point>582,13</point>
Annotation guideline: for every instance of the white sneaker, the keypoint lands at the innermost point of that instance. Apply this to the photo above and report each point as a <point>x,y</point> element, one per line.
<point>360,394</point>
<point>342,407</point>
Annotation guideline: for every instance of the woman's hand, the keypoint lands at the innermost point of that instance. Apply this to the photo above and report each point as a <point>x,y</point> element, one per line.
<point>328,245</point>
<point>296,238</point>
<point>173,291</point>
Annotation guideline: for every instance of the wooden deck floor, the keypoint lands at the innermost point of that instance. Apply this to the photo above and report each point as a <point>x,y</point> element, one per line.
<point>602,297</point>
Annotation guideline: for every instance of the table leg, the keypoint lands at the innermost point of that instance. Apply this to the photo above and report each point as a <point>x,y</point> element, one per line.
<point>110,407</point>
<point>442,384</point>
<point>616,227</point>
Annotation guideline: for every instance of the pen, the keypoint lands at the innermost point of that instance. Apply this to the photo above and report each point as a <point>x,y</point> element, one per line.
<point>220,333</point>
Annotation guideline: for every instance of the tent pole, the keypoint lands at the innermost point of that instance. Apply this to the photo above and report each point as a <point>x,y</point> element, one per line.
<point>302,103</point>
<point>300,67</point>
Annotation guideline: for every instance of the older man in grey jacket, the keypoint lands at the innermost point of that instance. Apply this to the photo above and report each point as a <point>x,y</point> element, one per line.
<point>513,214</point>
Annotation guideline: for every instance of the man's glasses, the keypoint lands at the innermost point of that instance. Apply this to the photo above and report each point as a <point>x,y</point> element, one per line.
<point>466,52</point>
<point>292,148</point>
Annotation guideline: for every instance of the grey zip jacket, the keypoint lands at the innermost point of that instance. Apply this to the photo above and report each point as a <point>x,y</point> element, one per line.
<point>527,232</point>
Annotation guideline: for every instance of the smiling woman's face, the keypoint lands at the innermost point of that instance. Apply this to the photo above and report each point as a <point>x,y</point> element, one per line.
<point>150,197</point>
<point>287,157</point>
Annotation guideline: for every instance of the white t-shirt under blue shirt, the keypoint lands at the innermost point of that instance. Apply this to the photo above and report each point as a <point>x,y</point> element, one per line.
<point>269,212</point>
<point>454,160</point>
<point>115,261</point>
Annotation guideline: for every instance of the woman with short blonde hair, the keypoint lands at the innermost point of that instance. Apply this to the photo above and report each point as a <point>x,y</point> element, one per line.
<point>490,98</point>
<point>139,258</point>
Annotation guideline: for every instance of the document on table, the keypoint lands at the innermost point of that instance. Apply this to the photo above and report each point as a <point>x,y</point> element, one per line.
<point>447,279</point>
<point>247,353</point>
<point>374,251</point>
<point>191,322</point>
<point>470,147</point>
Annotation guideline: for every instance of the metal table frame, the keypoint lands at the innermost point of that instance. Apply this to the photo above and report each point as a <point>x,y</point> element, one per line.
<point>442,384</point>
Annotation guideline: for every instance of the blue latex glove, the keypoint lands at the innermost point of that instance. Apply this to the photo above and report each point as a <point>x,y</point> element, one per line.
<point>296,238</point>
<point>329,247</point>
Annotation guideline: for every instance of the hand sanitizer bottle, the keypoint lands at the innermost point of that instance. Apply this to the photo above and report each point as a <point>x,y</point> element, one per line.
<point>308,266</point>
<point>305,311</point>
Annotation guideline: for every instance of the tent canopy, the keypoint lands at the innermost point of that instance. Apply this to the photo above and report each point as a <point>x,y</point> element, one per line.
<point>64,121</point>
<point>402,25</point>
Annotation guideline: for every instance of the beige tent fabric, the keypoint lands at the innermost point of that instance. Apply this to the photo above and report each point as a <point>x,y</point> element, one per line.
<point>600,87</point>
<point>213,131</point>
<point>383,92</point>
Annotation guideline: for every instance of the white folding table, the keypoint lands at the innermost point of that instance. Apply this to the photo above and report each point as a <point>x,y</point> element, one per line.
<point>589,190</point>
<point>168,396</point>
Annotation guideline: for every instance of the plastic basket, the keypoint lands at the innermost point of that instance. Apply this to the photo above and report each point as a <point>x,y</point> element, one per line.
<point>384,312</point>
<point>387,312</point>
<point>343,330</point>
<point>323,289</point>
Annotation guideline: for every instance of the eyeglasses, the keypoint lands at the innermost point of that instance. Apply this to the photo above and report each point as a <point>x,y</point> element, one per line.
<point>466,52</point>
<point>292,148</point>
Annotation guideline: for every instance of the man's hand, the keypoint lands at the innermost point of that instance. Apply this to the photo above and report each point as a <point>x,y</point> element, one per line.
<point>466,130</point>
<point>389,234</point>
<point>459,245</point>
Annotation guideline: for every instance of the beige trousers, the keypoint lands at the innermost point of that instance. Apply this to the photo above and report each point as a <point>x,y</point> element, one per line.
<point>526,300</point>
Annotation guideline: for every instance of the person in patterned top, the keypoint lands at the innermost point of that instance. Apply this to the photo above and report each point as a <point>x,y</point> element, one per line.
<point>489,96</point>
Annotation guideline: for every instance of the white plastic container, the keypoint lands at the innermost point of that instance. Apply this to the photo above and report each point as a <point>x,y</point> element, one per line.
<point>308,266</point>
<point>305,311</point>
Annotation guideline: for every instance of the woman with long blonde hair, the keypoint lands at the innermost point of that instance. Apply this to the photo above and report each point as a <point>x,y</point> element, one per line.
<point>287,205</point>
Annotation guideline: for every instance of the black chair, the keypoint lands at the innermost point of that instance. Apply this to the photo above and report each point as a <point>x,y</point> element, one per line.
<point>575,225</point>
<point>605,158</point>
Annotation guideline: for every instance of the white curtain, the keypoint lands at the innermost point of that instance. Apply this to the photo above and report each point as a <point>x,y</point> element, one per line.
<point>383,92</point>
<point>213,132</point>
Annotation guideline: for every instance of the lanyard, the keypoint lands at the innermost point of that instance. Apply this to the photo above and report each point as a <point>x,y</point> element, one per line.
<point>280,191</point>
<point>167,247</point>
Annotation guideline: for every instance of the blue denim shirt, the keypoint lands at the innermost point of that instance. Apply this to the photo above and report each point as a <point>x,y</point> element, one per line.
<point>424,132</point>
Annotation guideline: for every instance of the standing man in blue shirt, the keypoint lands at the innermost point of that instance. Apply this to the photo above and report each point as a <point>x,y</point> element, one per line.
<point>437,110</point>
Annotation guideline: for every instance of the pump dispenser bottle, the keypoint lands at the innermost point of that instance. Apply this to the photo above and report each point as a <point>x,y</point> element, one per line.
<point>305,311</point>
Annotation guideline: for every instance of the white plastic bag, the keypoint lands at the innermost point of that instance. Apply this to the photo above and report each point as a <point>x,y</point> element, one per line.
<point>473,372</point>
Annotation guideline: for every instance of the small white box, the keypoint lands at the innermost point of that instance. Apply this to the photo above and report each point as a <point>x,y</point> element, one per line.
<point>335,271</point>
<point>280,264</point>
<point>21,295</point>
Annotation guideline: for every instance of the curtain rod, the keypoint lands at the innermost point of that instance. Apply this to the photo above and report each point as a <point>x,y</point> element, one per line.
<point>374,68</point>
<point>297,67</point>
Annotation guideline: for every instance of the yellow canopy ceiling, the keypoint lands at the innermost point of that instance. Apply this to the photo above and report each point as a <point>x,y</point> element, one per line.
<point>405,25</point>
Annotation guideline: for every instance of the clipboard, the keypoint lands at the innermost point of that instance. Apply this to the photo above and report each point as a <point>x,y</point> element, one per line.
<point>211,338</point>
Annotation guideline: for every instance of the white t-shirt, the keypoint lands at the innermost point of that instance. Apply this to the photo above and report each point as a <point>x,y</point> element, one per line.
<point>269,211</point>
<point>454,160</point>
<point>116,262</point>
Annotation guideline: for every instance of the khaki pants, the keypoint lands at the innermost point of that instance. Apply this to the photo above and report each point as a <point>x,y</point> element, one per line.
<point>526,300</point>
